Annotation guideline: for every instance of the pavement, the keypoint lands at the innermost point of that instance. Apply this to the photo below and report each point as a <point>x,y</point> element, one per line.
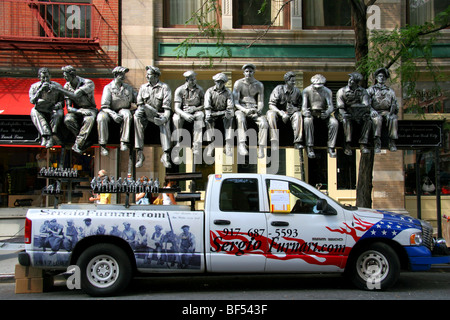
<point>8,261</point>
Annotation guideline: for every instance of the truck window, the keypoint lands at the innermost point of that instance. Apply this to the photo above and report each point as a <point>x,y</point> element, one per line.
<point>301,200</point>
<point>239,195</point>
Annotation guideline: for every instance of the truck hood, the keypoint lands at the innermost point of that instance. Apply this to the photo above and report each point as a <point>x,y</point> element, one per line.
<point>389,216</point>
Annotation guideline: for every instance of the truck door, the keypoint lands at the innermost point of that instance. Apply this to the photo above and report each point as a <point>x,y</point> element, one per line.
<point>301,237</point>
<point>238,230</point>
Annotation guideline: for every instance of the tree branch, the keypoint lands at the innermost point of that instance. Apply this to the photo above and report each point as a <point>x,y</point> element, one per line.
<point>261,35</point>
<point>410,42</point>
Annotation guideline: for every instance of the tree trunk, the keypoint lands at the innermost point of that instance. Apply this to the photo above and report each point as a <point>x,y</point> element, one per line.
<point>365,175</point>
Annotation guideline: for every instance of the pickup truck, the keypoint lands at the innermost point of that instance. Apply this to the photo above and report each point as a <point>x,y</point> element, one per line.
<point>251,223</point>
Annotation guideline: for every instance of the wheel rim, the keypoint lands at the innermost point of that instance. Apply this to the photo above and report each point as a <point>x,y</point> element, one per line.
<point>372,266</point>
<point>102,271</point>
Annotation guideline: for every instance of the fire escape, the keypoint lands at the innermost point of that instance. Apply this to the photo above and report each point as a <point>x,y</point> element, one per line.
<point>39,33</point>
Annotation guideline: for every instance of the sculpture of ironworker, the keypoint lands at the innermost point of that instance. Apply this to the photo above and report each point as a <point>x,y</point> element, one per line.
<point>48,111</point>
<point>188,106</point>
<point>286,102</point>
<point>318,103</point>
<point>248,94</point>
<point>353,104</point>
<point>154,105</point>
<point>81,108</point>
<point>383,106</point>
<point>219,105</point>
<point>116,103</point>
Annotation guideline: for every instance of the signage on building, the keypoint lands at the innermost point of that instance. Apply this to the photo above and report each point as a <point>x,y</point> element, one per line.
<point>416,134</point>
<point>17,130</point>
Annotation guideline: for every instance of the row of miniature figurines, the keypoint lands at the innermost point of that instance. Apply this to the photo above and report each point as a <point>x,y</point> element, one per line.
<point>108,184</point>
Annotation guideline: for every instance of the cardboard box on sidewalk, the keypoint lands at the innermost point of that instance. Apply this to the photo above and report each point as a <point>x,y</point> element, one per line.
<point>28,272</point>
<point>31,280</point>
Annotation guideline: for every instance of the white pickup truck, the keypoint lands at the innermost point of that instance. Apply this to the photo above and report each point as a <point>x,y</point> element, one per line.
<point>251,223</point>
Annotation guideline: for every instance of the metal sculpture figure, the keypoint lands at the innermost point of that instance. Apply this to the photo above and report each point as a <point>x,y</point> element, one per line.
<point>116,105</point>
<point>48,111</point>
<point>154,105</point>
<point>384,107</point>
<point>286,102</point>
<point>81,108</point>
<point>318,104</point>
<point>219,105</point>
<point>248,94</point>
<point>188,106</point>
<point>352,102</point>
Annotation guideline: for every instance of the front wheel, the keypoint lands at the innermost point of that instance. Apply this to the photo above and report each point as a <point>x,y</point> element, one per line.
<point>376,267</point>
<point>105,270</point>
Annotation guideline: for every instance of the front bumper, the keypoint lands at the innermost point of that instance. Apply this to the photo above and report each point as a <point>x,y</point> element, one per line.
<point>421,258</point>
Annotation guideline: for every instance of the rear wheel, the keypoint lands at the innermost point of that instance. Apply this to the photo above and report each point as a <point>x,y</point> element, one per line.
<point>105,270</point>
<point>376,267</point>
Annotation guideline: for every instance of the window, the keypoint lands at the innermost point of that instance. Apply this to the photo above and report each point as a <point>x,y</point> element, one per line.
<point>323,14</point>
<point>66,19</point>
<point>251,13</point>
<point>178,13</point>
<point>318,168</point>
<point>346,170</point>
<point>301,200</point>
<point>421,167</point>
<point>422,11</point>
<point>239,195</point>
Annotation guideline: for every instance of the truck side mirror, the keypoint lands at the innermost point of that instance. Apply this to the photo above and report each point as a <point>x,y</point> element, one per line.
<point>322,206</point>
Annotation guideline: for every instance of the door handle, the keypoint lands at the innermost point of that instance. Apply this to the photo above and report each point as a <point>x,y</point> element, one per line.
<point>222,222</point>
<point>279,223</point>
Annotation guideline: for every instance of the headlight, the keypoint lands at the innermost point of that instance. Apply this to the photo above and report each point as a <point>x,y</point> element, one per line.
<point>415,239</point>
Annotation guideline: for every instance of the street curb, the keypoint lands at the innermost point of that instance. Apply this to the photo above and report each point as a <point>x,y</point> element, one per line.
<point>7,277</point>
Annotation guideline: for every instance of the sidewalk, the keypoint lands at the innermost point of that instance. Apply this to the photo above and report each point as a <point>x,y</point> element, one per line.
<point>8,261</point>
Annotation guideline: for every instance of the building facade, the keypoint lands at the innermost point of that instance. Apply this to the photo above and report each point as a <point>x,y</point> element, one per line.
<point>307,37</point>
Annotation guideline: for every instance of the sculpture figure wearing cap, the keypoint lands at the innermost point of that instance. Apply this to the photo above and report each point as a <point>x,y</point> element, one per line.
<point>219,105</point>
<point>384,107</point>
<point>116,105</point>
<point>48,111</point>
<point>248,94</point>
<point>154,104</point>
<point>188,106</point>
<point>352,101</point>
<point>286,102</point>
<point>81,108</point>
<point>318,104</point>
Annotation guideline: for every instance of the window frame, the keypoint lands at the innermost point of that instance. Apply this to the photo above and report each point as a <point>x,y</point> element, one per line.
<point>286,17</point>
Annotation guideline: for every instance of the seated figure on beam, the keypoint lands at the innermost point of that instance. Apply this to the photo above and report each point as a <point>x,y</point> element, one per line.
<point>352,102</point>
<point>116,105</point>
<point>154,104</point>
<point>384,107</point>
<point>48,111</point>
<point>286,102</point>
<point>318,104</point>
<point>81,108</point>
<point>248,94</point>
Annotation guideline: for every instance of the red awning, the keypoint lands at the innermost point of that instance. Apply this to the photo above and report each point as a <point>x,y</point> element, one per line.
<point>14,98</point>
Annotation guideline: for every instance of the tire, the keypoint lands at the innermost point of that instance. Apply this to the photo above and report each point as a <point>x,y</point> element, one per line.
<point>376,267</point>
<point>105,270</point>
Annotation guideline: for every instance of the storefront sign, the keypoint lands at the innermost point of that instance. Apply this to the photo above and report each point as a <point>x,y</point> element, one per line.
<point>17,130</point>
<point>420,134</point>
